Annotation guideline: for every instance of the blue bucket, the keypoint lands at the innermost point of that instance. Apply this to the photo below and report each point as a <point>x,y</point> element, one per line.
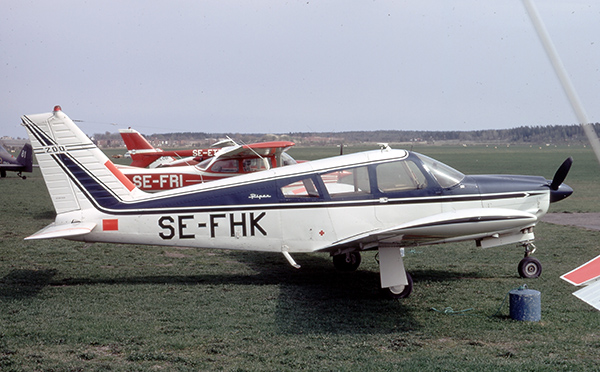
<point>525,304</point>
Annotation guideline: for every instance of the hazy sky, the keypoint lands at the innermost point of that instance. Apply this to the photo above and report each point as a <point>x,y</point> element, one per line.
<point>288,66</point>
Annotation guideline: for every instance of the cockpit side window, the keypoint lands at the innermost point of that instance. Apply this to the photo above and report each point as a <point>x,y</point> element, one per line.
<point>401,175</point>
<point>347,182</point>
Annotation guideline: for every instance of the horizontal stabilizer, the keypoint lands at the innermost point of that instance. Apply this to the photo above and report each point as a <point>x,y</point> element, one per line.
<point>590,294</point>
<point>63,230</point>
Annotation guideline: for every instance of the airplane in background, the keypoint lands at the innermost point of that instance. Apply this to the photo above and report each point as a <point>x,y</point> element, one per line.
<point>382,200</point>
<point>219,163</point>
<point>143,154</point>
<point>23,163</point>
<point>227,162</point>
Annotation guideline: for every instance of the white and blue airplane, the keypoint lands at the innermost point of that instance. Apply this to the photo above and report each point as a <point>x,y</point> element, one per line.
<point>381,200</point>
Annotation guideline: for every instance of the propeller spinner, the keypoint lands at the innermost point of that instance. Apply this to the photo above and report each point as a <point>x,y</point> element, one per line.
<point>558,190</point>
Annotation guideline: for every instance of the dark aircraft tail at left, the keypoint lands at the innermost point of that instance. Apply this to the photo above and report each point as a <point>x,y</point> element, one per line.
<point>23,163</point>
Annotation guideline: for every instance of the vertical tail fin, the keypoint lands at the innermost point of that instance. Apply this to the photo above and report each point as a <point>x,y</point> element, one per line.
<point>25,158</point>
<point>134,140</point>
<point>77,174</point>
<point>142,152</point>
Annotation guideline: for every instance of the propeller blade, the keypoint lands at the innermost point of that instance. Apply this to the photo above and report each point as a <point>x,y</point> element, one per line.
<point>561,174</point>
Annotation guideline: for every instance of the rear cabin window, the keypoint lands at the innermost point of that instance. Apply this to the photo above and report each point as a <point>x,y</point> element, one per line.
<point>304,188</point>
<point>347,182</point>
<point>400,176</point>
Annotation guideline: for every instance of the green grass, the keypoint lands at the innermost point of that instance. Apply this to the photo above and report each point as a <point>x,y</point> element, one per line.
<point>65,306</point>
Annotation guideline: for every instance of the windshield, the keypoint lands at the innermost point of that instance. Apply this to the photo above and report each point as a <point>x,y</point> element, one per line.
<point>446,176</point>
<point>204,163</point>
<point>287,159</point>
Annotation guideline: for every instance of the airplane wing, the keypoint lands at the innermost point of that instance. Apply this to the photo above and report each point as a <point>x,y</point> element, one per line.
<point>262,149</point>
<point>478,223</point>
<point>250,151</point>
<point>587,275</point>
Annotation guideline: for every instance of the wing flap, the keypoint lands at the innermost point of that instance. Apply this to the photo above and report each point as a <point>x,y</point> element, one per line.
<point>467,223</point>
<point>63,230</point>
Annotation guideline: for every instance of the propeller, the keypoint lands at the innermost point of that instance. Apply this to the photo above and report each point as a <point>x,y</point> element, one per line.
<point>561,174</point>
<point>559,190</point>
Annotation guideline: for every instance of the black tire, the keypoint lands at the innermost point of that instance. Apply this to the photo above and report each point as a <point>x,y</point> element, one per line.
<point>530,267</point>
<point>347,261</point>
<point>402,291</point>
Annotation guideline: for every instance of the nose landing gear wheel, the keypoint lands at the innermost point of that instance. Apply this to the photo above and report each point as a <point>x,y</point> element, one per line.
<point>530,267</point>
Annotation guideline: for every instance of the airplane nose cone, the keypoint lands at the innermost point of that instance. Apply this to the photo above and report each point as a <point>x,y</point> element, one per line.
<point>561,193</point>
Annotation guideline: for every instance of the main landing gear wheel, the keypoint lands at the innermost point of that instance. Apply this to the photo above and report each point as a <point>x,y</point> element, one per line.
<point>530,267</point>
<point>400,291</point>
<point>347,261</point>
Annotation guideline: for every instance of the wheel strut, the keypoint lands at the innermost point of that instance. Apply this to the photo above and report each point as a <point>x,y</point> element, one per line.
<point>529,248</point>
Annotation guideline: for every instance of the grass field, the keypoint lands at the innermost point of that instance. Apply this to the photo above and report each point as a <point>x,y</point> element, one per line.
<point>66,306</point>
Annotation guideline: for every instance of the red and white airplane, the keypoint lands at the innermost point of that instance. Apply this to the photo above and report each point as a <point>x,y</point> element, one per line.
<point>197,165</point>
<point>386,200</point>
<point>143,154</point>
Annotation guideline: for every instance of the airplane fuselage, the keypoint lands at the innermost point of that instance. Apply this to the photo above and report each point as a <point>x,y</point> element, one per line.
<point>276,211</point>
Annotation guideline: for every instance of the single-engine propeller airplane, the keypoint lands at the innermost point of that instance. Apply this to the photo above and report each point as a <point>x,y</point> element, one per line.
<point>381,200</point>
<point>143,154</point>
<point>23,163</point>
<point>226,162</point>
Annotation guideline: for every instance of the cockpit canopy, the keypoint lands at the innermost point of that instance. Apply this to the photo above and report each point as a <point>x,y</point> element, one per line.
<point>412,174</point>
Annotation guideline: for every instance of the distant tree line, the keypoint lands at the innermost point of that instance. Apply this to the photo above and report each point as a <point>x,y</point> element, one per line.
<point>557,134</point>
